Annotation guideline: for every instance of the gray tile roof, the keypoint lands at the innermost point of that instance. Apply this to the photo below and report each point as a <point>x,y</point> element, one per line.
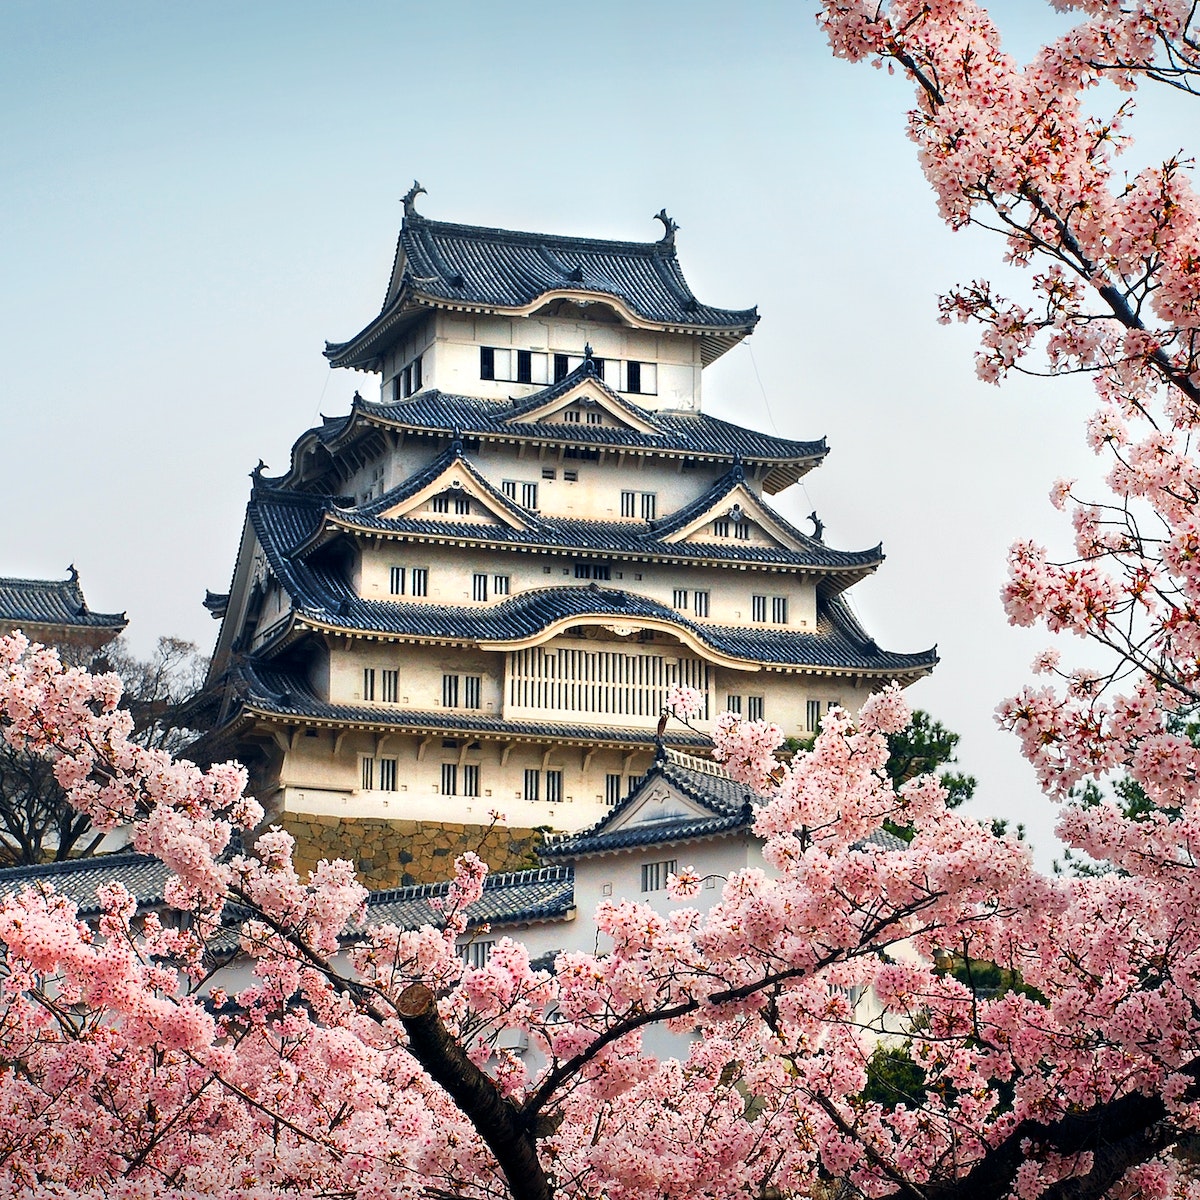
<point>675,432</point>
<point>79,878</point>
<point>277,693</point>
<point>606,538</point>
<point>729,806</point>
<point>325,600</point>
<point>517,897</point>
<point>473,267</point>
<point>53,602</point>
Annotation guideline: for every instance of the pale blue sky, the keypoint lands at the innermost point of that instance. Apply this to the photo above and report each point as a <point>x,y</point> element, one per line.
<point>194,197</point>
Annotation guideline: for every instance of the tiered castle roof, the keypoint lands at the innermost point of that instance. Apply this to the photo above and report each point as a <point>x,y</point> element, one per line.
<point>34,604</point>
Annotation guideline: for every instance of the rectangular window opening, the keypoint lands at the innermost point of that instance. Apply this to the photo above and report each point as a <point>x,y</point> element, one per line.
<point>449,779</point>
<point>420,581</point>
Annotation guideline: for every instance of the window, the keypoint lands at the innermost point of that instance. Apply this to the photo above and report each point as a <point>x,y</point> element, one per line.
<point>654,874</point>
<point>680,599</point>
<point>476,954</point>
<point>391,686</point>
<point>742,530</point>
<point>758,608</point>
<point>472,686</point>
<point>549,473</point>
<point>571,476</point>
<point>368,683</point>
<point>754,708</point>
<point>595,418</point>
<point>449,779</point>
<point>628,504</point>
<point>396,581</point>
<point>720,529</point>
<point>581,452</point>
<point>554,791</point>
<point>441,504</point>
<point>812,715</point>
<point>368,774</point>
<point>509,488</point>
<point>449,691</point>
<point>599,367</point>
<point>417,375</point>
<point>635,782</point>
<point>420,581</point>
<point>649,505</point>
<point>612,789</point>
<point>532,790</point>
<point>779,610</point>
<point>524,366</point>
<point>408,381</point>
<point>561,369</point>
<point>479,586</point>
<point>700,604</point>
<point>470,780</point>
<point>593,571</point>
<point>733,704</point>
<point>487,362</point>
<point>633,377</point>
<point>571,416</point>
<point>387,774</point>
<point>500,585</point>
<point>529,495</point>
<point>462,505</point>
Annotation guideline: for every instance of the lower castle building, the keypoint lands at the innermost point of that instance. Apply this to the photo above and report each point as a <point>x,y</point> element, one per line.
<point>473,593</point>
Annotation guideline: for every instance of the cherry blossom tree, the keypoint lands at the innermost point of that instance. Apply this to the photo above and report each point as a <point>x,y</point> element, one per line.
<point>372,1061</point>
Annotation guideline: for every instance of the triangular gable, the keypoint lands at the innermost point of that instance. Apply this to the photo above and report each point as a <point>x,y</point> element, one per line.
<point>656,802</point>
<point>589,395</point>
<point>735,506</point>
<point>456,482</point>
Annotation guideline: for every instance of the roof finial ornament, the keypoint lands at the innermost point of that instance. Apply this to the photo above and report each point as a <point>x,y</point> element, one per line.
<point>818,526</point>
<point>410,199</point>
<point>457,444</point>
<point>256,474</point>
<point>587,351</point>
<point>72,574</point>
<point>669,227</point>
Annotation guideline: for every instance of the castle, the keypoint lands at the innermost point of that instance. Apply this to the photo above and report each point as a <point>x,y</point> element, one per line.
<point>473,592</point>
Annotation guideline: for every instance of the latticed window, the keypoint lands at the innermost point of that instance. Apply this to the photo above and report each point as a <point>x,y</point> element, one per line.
<point>758,608</point>
<point>554,786</point>
<point>387,774</point>
<point>391,686</point>
<point>500,585</point>
<point>743,530</point>
<point>396,581</point>
<point>449,779</point>
<point>479,584</point>
<point>812,715</point>
<point>472,686</point>
<point>529,495</point>
<point>475,953</point>
<point>368,683</point>
<point>649,505</point>
<point>441,504</point>
<point>754,708</point>
<point>628,504</point>
<point>595,418</point>
<point>733,704</point>
<point>368,774</point>
<point>654,874</point>
<point>679,599</point>
<point>532,788</point>
<point>420,581</point>
<point>612,789</point>
<point>462,505</point>
<point>779,609</point>
<point>721,529</point>
<point>700,604</point>
<point>449,691</point>
<point>470,780</point>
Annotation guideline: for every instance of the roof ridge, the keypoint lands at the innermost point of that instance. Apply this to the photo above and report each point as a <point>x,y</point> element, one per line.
<point>491,883</point>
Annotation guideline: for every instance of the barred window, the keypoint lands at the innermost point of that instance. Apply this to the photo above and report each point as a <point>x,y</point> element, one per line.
<point>396,581</point>
<point>449,691</point>
<point>368,683</point>
<point>449,779</point>
<point>462,505</point>
<point>754,708</point>
<point>654,874</point>
<point>612,789</point>
<point>500,585</point>
<point>733,704</point>
<point>479,582</point>
<point>571,416</point>
<point>470,780</point>
<point>812,715</point>
<point>532,780</point>
<point>529,495</point>
<point>700,604</point>
<point>387,774</point>
<point>758,608</point>
<point>420,581</point>
<point>720,529</point>
<point>628,504</point>
<point>391,686</point>
<point>633,377</point>
<point>779,609</point>
<point>441,504</point>
<point>475,954</point>
<point>368,774</point>
<point>487,362</point>
<point>649,505</point>
<point>509,488</point>
<point>554,786</point>
<point>595,418</point>
<point>472,685</point>
<point>743,530</point>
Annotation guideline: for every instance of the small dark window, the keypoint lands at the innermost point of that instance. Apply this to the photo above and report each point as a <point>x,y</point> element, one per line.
<point>524,366</point>
<point>417,380</point>
<point>560,367</point>
<point>633,377</point>
<point>487,362</point>
<point>599,367</point>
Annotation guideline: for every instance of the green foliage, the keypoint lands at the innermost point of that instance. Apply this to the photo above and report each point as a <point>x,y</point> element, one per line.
<point>894,1079</point>
<point>920,748</point>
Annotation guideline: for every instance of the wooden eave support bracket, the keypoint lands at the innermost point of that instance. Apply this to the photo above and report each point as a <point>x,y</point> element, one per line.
<point>424,745</point>
<point>505,752</point>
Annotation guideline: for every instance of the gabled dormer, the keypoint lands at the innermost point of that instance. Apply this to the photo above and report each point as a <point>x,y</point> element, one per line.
<point>582,398</point>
